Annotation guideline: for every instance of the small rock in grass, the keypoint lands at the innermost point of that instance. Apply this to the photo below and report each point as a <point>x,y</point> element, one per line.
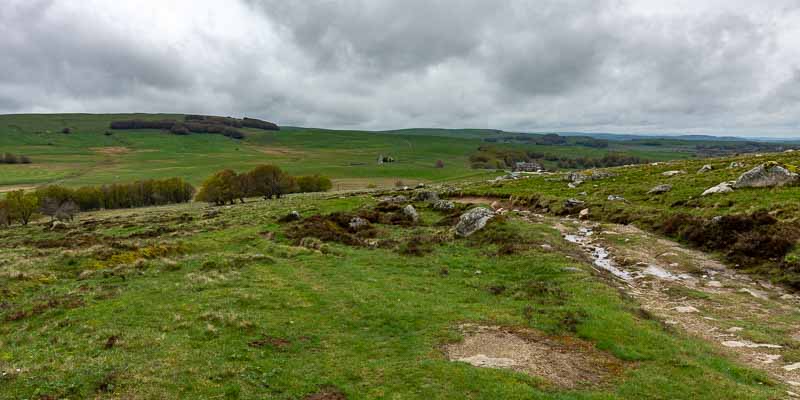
<point>411,212</point>
<point>686,309</point>
<point>660,189</point>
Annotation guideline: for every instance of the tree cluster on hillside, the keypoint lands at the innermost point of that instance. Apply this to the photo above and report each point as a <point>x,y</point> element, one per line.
<point>8,158</point>
<point>266,181</point>
<point>609,160</point>
<point>551,139</point>
<point>226,126</point>
<point>491,157</point>
<point>732,148</point>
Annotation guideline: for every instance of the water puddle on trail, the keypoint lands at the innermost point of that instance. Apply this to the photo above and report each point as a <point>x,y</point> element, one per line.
<point>600,255</point>
<point>602,259</point>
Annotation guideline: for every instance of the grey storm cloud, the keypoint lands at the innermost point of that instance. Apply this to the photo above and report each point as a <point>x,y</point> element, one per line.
<point>714,66</point>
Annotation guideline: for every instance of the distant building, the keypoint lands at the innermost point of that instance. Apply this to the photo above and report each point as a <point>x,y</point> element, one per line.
<point>530,166</point>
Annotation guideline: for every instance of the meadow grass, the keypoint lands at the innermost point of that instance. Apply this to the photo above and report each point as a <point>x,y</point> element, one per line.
<point>164,303</point>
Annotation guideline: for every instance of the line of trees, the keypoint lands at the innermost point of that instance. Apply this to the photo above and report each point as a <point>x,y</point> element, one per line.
<point>226,126</point>
<point>62,203</point>
<point>265,181</point>
<point>8,158</point>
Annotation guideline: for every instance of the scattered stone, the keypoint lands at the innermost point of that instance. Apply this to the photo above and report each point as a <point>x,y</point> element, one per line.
<point>724,187</point>
<point>357,223</point>
<point>734,329</point>
<point>672,173</point>
<point>584,214</point>
<point>660,189</point>
<point>426,196</point>
<point>686,309</point>
<point>572,203</point>
<point>546,247</point>
<point>444,205</point>
<point>613,197</point>
<point>770,358</point>
<point>704,169</point>
<point>766,175</point>
<point>583,194</point>
<point>714,284</point>
<point>736,164</point>
<point>411,212</point>
<point>394,199</point>
<point>473,220</point>
<point>58,226</point>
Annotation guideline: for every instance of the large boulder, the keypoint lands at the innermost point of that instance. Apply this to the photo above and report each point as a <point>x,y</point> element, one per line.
<point>766,175</point>
<point>724,187</point>
<point>473,221</point>
<point>357,223</point>
<point>660,189</point>
<point>572,203</point>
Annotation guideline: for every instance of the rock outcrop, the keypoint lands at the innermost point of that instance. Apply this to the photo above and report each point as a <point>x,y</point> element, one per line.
<point>766,175</point>
<point>473,221</point>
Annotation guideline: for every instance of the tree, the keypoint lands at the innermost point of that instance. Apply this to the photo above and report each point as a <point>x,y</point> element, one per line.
<point>220,188</point>
<point>269,181</point>
<point>22,206</point>
<point>313,183</point>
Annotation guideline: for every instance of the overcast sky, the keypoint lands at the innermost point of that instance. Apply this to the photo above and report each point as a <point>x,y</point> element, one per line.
<point>692,66</point>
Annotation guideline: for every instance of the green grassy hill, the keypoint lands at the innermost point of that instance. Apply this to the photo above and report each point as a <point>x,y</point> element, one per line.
<point>89,155</point>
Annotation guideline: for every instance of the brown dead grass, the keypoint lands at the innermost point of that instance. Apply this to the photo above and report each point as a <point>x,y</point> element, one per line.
<point>562,361</point>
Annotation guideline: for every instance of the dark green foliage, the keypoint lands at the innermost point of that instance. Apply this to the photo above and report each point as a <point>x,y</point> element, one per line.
<point>144,193</point>
<point>22,206</point>
<point>199,124</point>
<point>609,160</point>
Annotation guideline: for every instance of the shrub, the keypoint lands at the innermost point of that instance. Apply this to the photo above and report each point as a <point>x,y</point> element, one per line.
<point>439,164</point>
<point>269,181</point>
<point>223,187</point>
<point>22,206</point>
<point>313,183</point>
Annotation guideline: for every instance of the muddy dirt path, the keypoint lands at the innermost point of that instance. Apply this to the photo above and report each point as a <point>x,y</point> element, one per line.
<point>752,321</point>
<point>748,320</point>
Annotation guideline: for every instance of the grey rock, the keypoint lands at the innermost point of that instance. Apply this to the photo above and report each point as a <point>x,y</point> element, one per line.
<point>736,164</point>
<point>473,221</point>
<point>291,216</point>
<point>660,189</point>
<point>672,173</point>
<point>411,212</point>
<point>613,197</point>
<point>584,214</point>
<point>444,205</point>
<point>724,187</point>
<point>394,199</point>
<point>356,223</point>
<point>766,175</point>
<point>571,203</point>
<point>211,213</point>
<point>426,195</point>
<point>704,169</point>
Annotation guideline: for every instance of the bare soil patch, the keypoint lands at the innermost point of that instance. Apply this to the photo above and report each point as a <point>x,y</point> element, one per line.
<point>327,393</point>
<point>110,151</point>
<point>562,361</point>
